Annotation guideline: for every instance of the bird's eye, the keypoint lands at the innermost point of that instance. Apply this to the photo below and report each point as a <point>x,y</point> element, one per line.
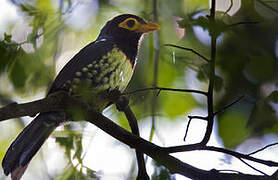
<point>130,23</point>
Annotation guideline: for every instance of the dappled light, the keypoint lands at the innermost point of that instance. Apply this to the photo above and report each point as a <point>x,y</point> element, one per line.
<point>199,100</point>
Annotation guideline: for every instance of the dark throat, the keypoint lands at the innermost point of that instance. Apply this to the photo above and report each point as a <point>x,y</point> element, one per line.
<point>129,45</point>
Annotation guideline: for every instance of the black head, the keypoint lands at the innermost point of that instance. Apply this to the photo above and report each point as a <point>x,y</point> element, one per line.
<point>126,31</point>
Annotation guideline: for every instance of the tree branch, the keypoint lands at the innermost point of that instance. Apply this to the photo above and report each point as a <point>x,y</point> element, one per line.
<point>50,103</point>
<point>189,122</point>
<point>166,89</point>
<point>268,6</point>
<point>229,105</point>
<point>259,150</point>
<point>210,104</point>
<point>188,49</point>
<point>242,23</point>
<point>252,167</point>
<point>194,147</point>
<point>122,105</point>
<point>158,153</point>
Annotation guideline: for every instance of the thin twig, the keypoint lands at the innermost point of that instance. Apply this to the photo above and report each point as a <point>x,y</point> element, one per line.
<point>198,146</point>
<point>188,49</point>
<point>187,128</point>
<point>229,105</point>
<point>242,23</point>
<point>189,121</point>
<point>165,89</point>
<point>252,167</point>
<point>259,150</point>
<point>230,7</point>
<point>268,6</point>
<point>198,117</point>
<point>274,1</point>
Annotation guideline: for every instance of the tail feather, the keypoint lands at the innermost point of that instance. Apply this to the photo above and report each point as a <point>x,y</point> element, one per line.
<point>28,142</point>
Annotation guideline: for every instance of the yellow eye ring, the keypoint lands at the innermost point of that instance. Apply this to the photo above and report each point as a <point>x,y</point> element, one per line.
<point>130,23</point>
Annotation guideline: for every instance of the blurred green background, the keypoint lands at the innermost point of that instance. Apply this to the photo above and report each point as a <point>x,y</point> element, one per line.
<point>37,37</point>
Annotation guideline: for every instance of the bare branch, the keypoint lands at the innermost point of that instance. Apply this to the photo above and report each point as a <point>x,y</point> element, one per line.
<point>187,128</point>
<point>210,104</point>
<point>165,89</point>
<point>198,117</point>
<point>189,121</point>
<point>229,105</point>
<point>156,152</point>
<point>122,105</point>
<point>50,103</point>
<point>194,147</point>
<point>243,23</point>
<point>252,167</point>
<point>230,7</point>
<point>188,49</point>
<point>259,150</point>
<point>274,1</point>
<point>268,6</point>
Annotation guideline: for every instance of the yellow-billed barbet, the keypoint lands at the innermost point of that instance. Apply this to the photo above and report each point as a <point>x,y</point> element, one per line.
<point>102,66</point>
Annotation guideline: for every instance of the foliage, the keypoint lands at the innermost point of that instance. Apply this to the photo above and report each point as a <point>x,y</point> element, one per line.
<point>246,64</point>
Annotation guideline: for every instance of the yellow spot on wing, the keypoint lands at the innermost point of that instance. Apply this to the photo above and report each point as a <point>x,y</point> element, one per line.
<point>84,69</point>
<point>78,74</point>
<point>89,75</point>
<point>76,80</point>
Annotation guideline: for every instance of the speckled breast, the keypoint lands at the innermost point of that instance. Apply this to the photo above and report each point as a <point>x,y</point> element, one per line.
<point>92,82</point>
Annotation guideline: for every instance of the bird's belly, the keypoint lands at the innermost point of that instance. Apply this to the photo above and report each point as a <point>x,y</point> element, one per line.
<point>94,82</point>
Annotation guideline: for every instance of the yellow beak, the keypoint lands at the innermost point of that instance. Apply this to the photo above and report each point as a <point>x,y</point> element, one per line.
<point>150,26</point>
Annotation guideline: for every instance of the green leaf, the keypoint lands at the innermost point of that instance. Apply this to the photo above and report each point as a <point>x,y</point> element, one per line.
<point>30,10</point>
<point>7,37</point>
<point>218,83</point>
<point>17,73</point>
<point>203,73</point>
<point>263,117</point>
<point>66,139</point>
<point>176,104</point>
<point>260,67</point>
<point>232,128</point>
<point>166,79</point>
<point>8,52</point>
<point>273,96</point>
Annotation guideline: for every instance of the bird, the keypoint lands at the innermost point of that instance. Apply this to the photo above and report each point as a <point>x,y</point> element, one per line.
<point>104,65</point>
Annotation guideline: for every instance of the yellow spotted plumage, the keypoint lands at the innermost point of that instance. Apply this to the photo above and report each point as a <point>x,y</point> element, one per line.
<point>112,71</point>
